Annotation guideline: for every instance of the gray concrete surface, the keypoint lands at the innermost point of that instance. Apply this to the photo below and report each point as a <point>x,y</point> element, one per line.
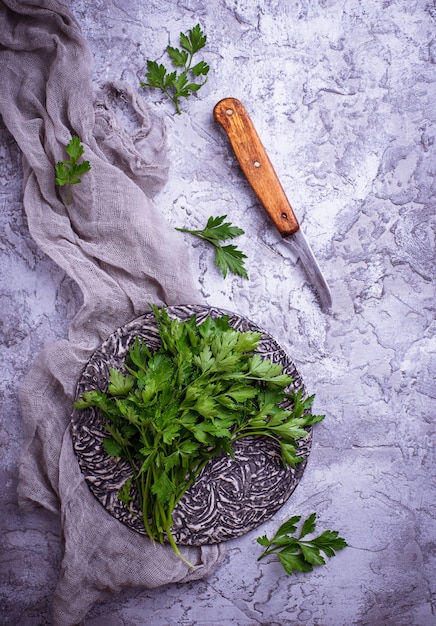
<point>343,95</point>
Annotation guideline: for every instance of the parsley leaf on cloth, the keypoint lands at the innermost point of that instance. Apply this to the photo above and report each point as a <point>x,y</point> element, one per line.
<point>69,171</point>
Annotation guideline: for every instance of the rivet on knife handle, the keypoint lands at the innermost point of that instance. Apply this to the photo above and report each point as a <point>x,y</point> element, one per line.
<point>255,164</point>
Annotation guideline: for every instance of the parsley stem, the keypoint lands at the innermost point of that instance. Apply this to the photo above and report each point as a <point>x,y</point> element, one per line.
<point>247,432</point>
<point>174,100</point>
<point>144,503</point>
<point>167,529</point>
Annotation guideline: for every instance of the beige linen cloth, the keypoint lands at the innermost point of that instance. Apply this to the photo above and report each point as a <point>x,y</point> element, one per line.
<point>115,244</point>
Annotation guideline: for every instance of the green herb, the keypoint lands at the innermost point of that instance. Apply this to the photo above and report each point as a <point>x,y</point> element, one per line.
<point>173,409</point>
<point>227,258</point>
<point>295,553</point>
<point>177,85</point>
<point>68,171</point>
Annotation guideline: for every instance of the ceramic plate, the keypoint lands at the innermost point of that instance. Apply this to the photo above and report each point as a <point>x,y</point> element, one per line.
<point>231,496</point>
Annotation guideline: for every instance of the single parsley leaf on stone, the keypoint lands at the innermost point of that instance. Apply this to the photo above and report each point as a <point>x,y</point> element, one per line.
<point>228,257</point>
<point>296,553</point>
<point>176,85</point>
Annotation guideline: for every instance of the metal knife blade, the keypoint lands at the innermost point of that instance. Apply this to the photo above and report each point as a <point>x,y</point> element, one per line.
<point>231,114</point>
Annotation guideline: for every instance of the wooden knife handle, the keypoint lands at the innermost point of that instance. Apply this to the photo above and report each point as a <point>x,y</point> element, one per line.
<point>255,163</point>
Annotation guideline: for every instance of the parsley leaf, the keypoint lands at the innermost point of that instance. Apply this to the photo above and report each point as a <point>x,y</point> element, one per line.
<point>124,494</point>
<point>297,554</point>
<point>178,85</point>
<point>69,171</point>
<point>227,258</point>
<point>112,447</point>
<point>119,384</point>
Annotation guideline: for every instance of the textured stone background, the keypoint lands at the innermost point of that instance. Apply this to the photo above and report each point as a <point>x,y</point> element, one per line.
<point>343,95</point>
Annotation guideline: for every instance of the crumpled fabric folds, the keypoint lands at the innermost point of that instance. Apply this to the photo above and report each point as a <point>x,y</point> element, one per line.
<point>123,255</point>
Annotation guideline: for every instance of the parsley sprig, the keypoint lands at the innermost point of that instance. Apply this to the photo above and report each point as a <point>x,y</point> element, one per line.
<point>297,553</point>
<point>68,172</point>
<point>174,409</point>
<point>179,85</point>
<point>227,258</point>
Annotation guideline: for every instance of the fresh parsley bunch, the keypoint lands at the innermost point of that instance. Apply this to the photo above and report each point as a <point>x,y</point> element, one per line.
<point>297,553</point>
<point>176,84</point>
<point>188,401</point>
<point>68,172</point>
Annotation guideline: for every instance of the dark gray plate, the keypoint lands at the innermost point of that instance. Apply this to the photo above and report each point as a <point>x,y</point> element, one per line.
<point>231,495</point>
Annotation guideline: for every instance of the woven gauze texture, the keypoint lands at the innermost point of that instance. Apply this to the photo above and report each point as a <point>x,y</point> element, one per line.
<point>116,245</point>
